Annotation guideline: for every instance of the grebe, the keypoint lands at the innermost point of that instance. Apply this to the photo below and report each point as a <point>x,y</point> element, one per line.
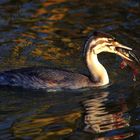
<point>54,79</point>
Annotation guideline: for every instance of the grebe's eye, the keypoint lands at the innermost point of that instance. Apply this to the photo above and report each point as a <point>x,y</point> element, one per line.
<point>114,39</point>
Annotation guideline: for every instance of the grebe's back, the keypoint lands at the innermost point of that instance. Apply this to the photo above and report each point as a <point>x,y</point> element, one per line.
<point>44,78</point>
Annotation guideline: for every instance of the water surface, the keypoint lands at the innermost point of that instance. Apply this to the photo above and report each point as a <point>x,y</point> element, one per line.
<point>52,33</point>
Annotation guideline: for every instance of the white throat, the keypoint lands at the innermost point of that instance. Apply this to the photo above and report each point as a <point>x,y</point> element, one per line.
<point>97,70</point>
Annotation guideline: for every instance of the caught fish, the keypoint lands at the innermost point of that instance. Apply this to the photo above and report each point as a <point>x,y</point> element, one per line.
<point>134,65</point>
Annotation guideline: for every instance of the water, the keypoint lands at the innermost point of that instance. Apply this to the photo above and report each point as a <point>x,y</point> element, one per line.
<point>52,33</point>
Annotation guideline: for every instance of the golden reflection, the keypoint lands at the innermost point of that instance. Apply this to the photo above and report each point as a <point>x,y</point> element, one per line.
<point>37,126</point>
<point>100,119</point>
<point>44,5</point>
<point>49,28</point>
<point>54,50</point>
<point>53,135</point>
<point>58,15</point>
<point>40,11</point>
<point>43,37</point>
<point>51,2</point>
<point>16,53</point>
<point>29,35</point>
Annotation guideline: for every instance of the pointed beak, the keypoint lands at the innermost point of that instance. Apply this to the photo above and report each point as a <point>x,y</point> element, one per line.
<point>126,53</point>
<point>133,56</point>
<point>124,47</point>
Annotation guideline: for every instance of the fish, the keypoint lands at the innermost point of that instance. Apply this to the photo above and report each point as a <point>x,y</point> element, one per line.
<point>134,64</point>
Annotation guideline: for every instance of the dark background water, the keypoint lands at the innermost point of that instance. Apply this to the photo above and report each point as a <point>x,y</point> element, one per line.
<point>52,33</point>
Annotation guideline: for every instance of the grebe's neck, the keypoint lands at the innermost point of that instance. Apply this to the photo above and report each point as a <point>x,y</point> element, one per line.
<point>97,70</point>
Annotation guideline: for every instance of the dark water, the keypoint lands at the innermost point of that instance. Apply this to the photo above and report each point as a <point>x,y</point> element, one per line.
<point>51,33</point>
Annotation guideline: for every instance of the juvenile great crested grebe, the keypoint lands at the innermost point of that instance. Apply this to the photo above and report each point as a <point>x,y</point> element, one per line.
<point>54,79</point>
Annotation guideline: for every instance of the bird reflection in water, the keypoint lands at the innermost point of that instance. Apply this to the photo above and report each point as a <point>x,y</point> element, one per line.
<point>106,117</point>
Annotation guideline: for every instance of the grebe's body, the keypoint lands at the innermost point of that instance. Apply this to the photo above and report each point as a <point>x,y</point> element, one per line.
<point>43,78</point>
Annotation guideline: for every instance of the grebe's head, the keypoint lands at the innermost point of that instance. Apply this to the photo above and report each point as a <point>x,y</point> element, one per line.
<point>102,42</point>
